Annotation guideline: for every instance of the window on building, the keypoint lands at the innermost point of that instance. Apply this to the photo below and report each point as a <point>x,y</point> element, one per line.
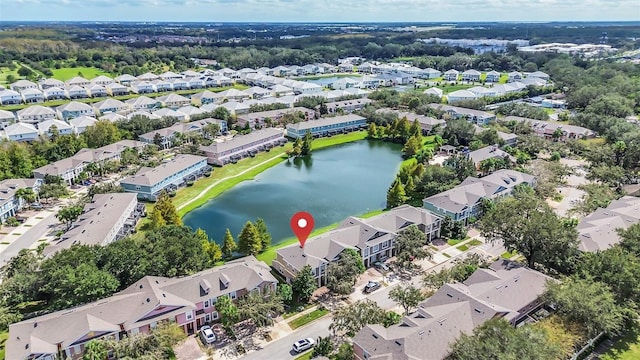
<point>189,315</point>
<point>207,317</point>
<point>153,325</point>
<point>206,303</point>
<point>135,331</point>
<point>214,315</point>
<point>233,295</point>
<point>213,300</point>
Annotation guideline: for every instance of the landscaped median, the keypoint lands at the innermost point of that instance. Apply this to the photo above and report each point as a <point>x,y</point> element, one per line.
<point>307,318</point>
<point>228,176</point>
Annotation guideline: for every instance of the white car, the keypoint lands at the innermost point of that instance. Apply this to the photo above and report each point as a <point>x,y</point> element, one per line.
<point>206,335</point>
<point>302,345</point>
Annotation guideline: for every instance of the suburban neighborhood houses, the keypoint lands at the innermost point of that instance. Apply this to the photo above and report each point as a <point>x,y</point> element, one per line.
<point>189,301</point>
<point>334,191</point>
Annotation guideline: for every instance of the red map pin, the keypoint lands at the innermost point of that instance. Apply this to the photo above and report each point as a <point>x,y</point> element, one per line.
<point>302,225</point>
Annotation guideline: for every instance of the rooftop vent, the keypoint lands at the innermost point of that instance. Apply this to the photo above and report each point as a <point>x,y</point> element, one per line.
<point>148,300</point>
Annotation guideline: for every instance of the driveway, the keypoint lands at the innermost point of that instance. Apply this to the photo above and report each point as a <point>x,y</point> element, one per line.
<point>281,348</point>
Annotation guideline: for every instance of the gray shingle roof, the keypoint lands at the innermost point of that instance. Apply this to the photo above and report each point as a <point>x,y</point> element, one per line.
<point>428,333</point>
<point>241,140</point>
<point>150,177</point>
<point>598,230</point>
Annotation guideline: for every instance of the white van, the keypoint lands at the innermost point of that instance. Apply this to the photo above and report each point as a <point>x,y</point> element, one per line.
<point>206,335</point>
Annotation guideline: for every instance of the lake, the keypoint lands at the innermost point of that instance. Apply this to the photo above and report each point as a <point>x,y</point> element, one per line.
<point>332,184</point>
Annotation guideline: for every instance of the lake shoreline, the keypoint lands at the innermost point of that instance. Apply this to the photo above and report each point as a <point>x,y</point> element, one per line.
<point>216,187</point>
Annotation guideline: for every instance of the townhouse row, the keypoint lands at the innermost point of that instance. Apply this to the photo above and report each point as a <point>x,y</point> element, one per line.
<point>189,301</point>
<point>375,238</point>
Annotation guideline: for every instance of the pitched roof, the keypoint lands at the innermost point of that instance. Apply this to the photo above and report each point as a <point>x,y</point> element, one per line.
<point>132,307</point>
<point>599,230</point>
<point>428,333</point>
<point>153,176</point>
<point>305,125</point>
<point>74,106</point>
<point>355,233</point>
<point>241,140</point>
<point>488,152</point>
<point>44,126</point>
<point>36,110</point>
<point>99,218</point>
<point>473,189</point>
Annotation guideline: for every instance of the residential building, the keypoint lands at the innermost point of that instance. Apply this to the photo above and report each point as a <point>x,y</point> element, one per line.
<point>32,95</point>
<point>204,98</point>
<point>97,90</point>
<point>373,238</point>
<point>434,91</point>
<point>143,103</point>
<point>6,118</point>
<point>113,117</point>
<point>116,89</point>
<point>345,83</point>
<point>451,75</point>
<point>281,90</point>
<point>102,80</point>
<point>492,76</point>
<point>189,301</point>
<point>427,123</point>
<point>62,127</point>
<point>36,113</point>
<point>505,290</point>
<point>477,117</point>
<point>167,135</point>
<point>80,124</point>
<point>327,126</point>
<point>78,81</point>
<point>224,152</point>
<point>9,203</point>
<point>77,92</point>
<point>170,75</point>
<point>148,183</point>
<point>125,79</point>
<point>142,87</point>
<point>21,131</point>
<point>191,111</point>
<point>538,75</point>
<point>10,97</point>
<point>471,75</point>
<point>489,152</point>
<point>74,109</point>
<point>258,92</point>
<point>481,91</point>
<point>69,168</point>
<point>162,85</point>
<point>174,101</point>
<point>105,219</point>
<point>347,106</point>
<point>54,93</point>
<point>598,231</point>
<point>179,84</point>
<point>515,76</point>
<point>430,73</point>
<point>465,200</point>
<point>234,94</point>
<point>49,83</point>
<point>554,131</point>
<point>303,87</point>
<point>273,117</point>
<point>460,95</point>
<point>147,77</point>
<point>235,107</point>
<point>22,85</point>
<point>109,106</point>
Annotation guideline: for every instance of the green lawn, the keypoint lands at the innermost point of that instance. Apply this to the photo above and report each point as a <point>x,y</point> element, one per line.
<point>68,73</point>
<point>293,309</point>
<point>474,242</point>
<point>627,348</point>
<point>454,242</point>
<point>5,71</point>
<point>307,318</point>
<point>508,255</point>
<point>233,174</point>
<point>305,356</point>
<point>3,339</point>
<point>463,247</point>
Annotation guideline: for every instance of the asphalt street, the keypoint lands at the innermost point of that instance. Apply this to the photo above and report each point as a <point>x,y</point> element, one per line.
<point>281,348</point>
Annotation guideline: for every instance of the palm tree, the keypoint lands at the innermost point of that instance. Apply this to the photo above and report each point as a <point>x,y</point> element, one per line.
<point>27,195</point>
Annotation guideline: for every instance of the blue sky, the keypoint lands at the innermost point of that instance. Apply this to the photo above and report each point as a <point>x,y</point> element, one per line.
<point>319,10</point>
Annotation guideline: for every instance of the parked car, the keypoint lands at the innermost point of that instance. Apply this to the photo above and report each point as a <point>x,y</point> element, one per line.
<point>302,345</point>
<point>206,335</point>
<point>371,286</point>
<point>381,266</point>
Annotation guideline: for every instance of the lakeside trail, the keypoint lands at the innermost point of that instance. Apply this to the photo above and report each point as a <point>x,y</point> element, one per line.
<point>204,192</point>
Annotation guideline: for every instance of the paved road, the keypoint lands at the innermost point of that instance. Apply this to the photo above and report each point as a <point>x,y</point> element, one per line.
<point>28,238</point>
<point>281,348</point>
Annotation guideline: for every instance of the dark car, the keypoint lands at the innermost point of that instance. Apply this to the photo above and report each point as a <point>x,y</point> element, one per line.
<point>371,286</point>
<point>381,266</point>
